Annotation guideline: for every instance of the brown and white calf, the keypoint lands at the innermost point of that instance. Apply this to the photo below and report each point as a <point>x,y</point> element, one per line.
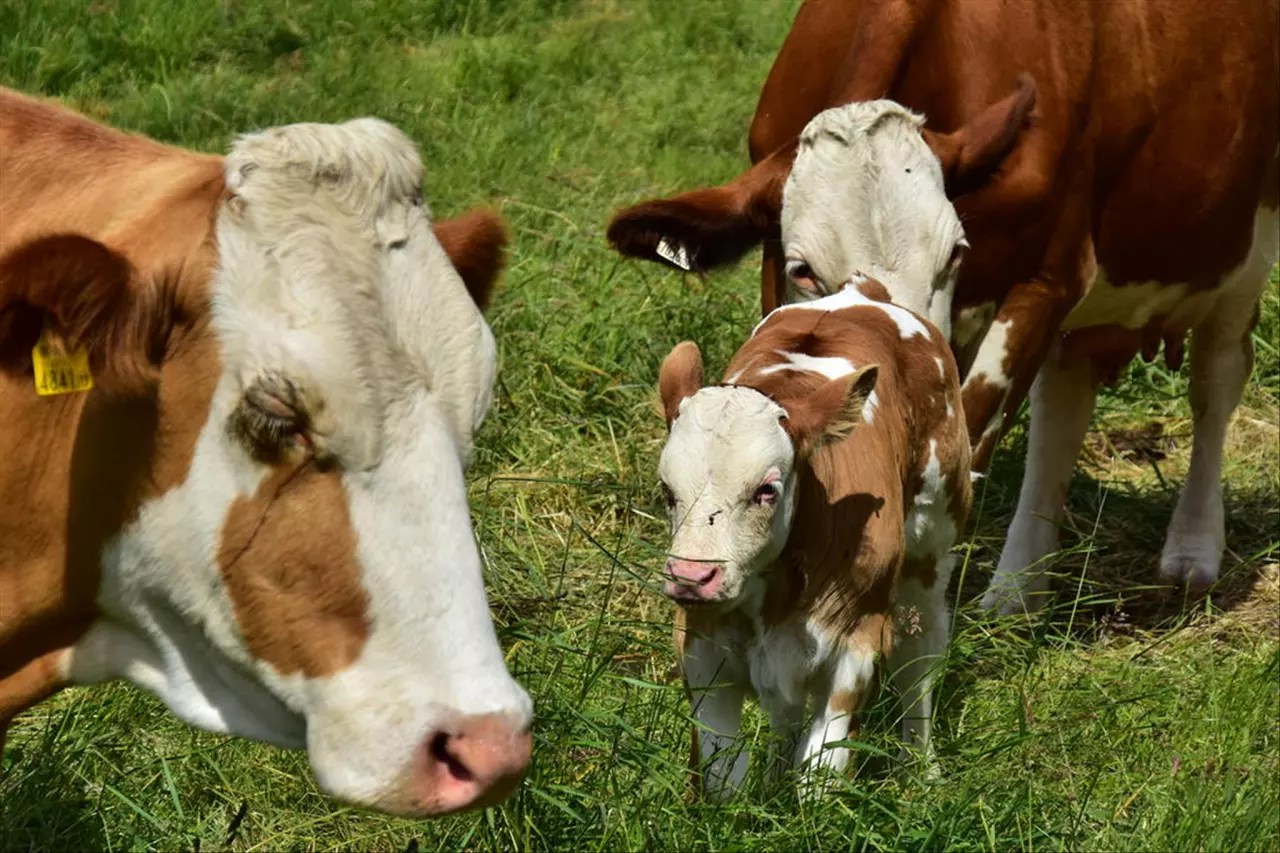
<point>815,495</point>
<point>1116,167</point>
<point>258,512</point>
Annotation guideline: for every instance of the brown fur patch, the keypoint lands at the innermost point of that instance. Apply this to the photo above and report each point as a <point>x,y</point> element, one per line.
<point>288,558</point>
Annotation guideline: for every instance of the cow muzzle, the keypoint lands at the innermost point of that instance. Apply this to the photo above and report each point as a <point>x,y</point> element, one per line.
<point>693,581</point>
<point>474,763</point>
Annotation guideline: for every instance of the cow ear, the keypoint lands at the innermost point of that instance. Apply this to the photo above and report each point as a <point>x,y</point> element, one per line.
<point>707,228</point>
<point>680,377</point>
<point>972,154</point>
<point>830,414</point>
<point>476,244</point>
<point>85,295</point>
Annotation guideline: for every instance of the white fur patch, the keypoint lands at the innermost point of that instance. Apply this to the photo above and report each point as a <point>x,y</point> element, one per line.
<point>832,367</point>
<point>869,407</point>
<point>909,325</point>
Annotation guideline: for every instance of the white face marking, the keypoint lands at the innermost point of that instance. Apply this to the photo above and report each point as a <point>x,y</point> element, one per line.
<point>338,285</point>
<point>908,324</point>
<point>724,444</point>
<point>832,367</point>
<point>866,195</point>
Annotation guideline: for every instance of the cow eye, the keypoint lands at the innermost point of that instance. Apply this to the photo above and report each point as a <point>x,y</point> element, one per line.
<point>766,494</point>
<point>270,419</point>
<point>802,274</point>
<point>957,254</point>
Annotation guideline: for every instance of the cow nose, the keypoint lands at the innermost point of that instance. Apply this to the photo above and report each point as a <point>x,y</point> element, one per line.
<point>691,579</point>
<point>476,763</point>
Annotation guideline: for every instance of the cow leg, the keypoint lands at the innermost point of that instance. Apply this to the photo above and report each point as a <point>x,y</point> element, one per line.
<point>1221,360</point>
<point>922,629</point>
<point>717,697</point>
<point>1007,360</point>
<point>835,714</point>
<point>1062,401</point>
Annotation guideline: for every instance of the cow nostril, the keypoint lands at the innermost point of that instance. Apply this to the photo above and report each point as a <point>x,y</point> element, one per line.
<point>440,752</point>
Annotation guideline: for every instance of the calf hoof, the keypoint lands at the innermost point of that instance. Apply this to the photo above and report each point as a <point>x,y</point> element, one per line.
<point>1193,560</point>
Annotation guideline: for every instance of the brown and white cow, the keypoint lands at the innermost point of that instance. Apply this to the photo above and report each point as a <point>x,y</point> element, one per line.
<point>258,513</point>
<point>815,495</point>
<point>1114,165</point>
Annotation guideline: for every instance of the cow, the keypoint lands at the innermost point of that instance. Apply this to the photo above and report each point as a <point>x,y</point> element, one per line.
<point>248,495</point>
<point>814,495</point>
<point>1072,183</point>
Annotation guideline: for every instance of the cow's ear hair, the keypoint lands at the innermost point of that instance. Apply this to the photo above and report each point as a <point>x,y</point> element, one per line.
<point>707,228</point>
<point>972,154</point>
<point>476,244</point>
<point>86,296</point>
<point>831,413</point>
<point>679,377</point>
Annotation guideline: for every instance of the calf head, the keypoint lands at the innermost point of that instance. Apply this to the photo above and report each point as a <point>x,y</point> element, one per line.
<point>865,188</point>
<point>729,472</point>
<point>296,562</point>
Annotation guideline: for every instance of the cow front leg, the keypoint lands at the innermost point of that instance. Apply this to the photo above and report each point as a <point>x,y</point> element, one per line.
<point>1221,360</point>
<point>1062,401</point>
<point>1007,361</point>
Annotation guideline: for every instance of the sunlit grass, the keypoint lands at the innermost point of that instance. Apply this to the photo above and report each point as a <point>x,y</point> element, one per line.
<point>1122,718</point>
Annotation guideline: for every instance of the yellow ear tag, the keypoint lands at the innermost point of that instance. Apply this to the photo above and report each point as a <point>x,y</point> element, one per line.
<point>59,372</point>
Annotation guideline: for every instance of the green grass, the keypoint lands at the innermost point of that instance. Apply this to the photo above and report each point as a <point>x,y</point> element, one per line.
<point>1121,719</point>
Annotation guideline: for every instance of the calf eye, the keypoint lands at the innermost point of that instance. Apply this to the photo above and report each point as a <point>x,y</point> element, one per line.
<point>765,495</point>
<point>802,274</point>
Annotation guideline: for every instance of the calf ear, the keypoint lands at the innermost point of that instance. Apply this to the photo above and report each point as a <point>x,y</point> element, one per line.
<point>476,244</point>
<point>707,228</point>
<point>680,377</point>
<point>972,154</point>
<point>829,414</point>
<point>86,295</point>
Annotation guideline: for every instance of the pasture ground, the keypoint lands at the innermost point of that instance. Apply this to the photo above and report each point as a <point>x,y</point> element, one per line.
<point>1122,719</point>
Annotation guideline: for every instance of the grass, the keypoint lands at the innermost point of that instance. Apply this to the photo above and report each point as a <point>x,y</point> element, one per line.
<point>1121,719</point>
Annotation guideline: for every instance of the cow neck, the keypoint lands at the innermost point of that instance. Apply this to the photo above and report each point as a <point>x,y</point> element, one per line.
<point>78,467</point>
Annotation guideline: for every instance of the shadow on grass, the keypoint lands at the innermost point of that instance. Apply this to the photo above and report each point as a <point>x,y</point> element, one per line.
<point>1105,577</point>
<point>43,802</point>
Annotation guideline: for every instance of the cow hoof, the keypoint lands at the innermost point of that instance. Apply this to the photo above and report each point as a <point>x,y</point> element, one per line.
<point>1193,560</point>
<point>1008,597</point>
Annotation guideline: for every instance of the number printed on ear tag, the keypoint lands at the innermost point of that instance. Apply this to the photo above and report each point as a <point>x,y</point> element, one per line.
<point>675,253</point>
<point>57,371</point>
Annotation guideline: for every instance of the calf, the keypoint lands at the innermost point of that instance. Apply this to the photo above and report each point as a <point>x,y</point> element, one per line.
<point>814,496</point>
<point>257,510</point>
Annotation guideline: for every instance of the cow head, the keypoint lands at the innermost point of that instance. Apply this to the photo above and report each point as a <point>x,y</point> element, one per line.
<point>865,189</point>
<point>729,471</point>
<point>296,561</point>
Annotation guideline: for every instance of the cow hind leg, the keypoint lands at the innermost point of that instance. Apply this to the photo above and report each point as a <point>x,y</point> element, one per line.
<point>1221,360</point>
<point>1062,401</point>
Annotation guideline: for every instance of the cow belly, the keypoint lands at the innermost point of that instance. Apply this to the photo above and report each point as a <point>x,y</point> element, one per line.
<point>1113,323</point>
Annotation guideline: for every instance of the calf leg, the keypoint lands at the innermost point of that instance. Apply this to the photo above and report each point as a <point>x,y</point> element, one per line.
<point>1062,401</point>
<point>835,714</point>
<point>1221,359</point>
<point>716,760</point>
<point>922,629</point>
